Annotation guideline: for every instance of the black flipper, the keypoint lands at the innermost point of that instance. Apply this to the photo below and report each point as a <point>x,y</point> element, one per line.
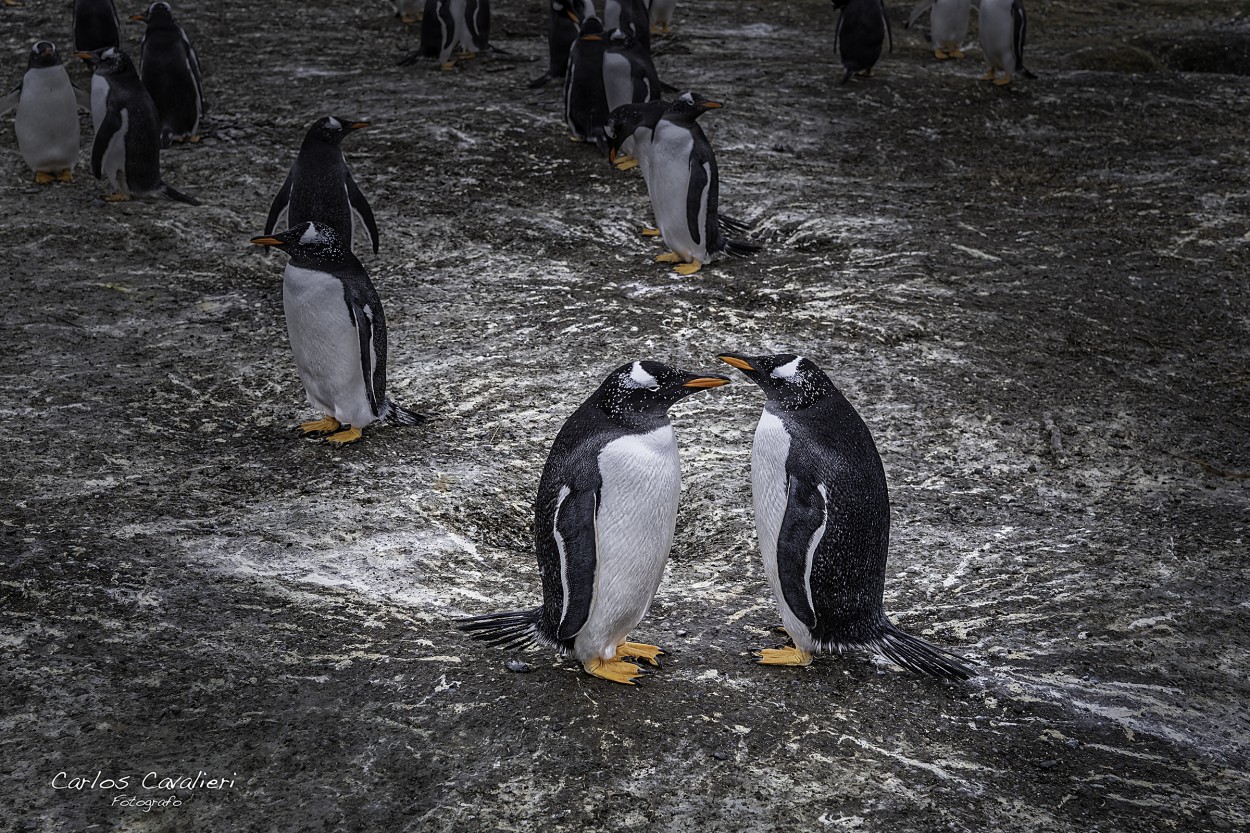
<point>805,515</point>
<point>280,203</point>
<point>370,324</point>
<point>576,524</point>
<point>111,124</point>
<point>361,206</point>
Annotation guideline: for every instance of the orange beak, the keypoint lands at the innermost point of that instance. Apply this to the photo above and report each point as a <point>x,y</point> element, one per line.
<point>706,382</point>
<point>266,241</point>
<point>733,361</point>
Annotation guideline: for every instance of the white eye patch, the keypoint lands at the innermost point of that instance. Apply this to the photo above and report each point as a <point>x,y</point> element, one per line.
<point>310,235</point>
<point>788,370</point>
<point>639,378</point>
<point>686,97</point>
<point>333,123</point>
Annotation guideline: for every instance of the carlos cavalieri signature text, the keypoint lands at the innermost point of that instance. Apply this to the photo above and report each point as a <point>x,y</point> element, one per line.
<point>149,781</point>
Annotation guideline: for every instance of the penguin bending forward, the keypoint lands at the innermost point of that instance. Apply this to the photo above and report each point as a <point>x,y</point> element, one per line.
<point>46,122</point>
<point>603,523</point>
<point>1003,25</point>
<point>170,71</point>
<point>337,331</point>
<point>862,26</point>
<point>822,511</point>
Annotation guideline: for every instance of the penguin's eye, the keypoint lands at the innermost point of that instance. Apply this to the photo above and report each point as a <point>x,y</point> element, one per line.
<point>654,388</point>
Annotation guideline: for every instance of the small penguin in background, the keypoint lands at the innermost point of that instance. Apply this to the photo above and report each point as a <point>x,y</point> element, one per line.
<point>408,11</point>
<point>1002,24</point>
<point>46,122</point>
<point>661,15</point>
<point>320,186</point>
<point>822,510</point>
<point>862,26</point>
<point>631,17</point>
<point>603,523</point>
<point>563,27</point>
<point>337,331</point>
<point>127,144</point>
<point>170,70</point>
<point>948,25</point>
<point>684,185</point>
<point>446,24</point>
<point>95,25</point>
<point>585,99</point>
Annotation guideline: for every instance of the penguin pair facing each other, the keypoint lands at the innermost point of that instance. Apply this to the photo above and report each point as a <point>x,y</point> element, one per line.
<point>46,122</point>
<point>448,24</point>
<point>862,26</point>
<point>337,332</point>
<point>170,70</point>
<point>948,25</point>
<point>1003,25</point>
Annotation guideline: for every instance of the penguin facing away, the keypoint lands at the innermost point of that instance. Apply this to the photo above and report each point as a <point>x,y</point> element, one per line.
<point>563,27</point>
<point>127,146</point>
<point>862,26</point>
<point>585,99</point>
<point>822,510</point>
<point>446,24</point>
<point>948,25</point>
<point>46,122</point>
<point>1003,26</point>
<point>337,331</point>
<point>604,521</point>
<point>170,70</point>
<point>95,25</point>
<point>320,186</point>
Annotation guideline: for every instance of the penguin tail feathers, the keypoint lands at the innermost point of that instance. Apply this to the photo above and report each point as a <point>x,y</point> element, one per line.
<point>541,81</point>
<point>177,196</point>
<point>732,225</point>
<point>399,415</point>
<point>1028,73</point>
<point>917,655</point>
<point>741,248</point>
<point>509,629</point>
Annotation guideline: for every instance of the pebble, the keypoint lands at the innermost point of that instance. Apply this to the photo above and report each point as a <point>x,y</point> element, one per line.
<point>721,756</point>
<point>518,666</point>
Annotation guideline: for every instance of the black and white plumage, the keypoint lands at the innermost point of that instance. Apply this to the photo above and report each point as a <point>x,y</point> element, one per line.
<point>585,99</point>
<point>127,143</point>
<point>631,17</point>
<point>629,75</point>
<point>603,522</point>
<point>661,15</point>
<point>1003,26</point>
<point>337,331</point>
<point>320,187</point>
<point>822,510</point>
<point>46,122</point>
<point>450,24</point>
<point>563,27</point>
<point>95,25</point>
<point>948,25</point>
<point>170,70</point>
<point>861,29</point>
<point>685,188</point>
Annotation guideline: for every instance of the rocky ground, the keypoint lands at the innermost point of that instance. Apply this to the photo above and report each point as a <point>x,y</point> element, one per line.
<point>1036,296</point>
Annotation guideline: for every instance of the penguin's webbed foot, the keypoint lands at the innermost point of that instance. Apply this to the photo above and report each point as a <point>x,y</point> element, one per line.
<point>43,178</point>
<point>641,650</point>
<point>648,231</point>
<point>957,53</point>
<point>578,139</point>
<point>788,655</point>
<point>1003,81</point>
<point>66,175</point>
<point>989,75</point>
<point>348,435</point>
<point>119,197</point>
<point>668,257</point>
<point>618,671</point>
<point>320,426</point>
<point>941,54</point>
<point>624,163</point>
<point>195,140</point>
<point>447,66</point>
<point>409,19</point>
<point>688,268</point>
<point>465,56</point>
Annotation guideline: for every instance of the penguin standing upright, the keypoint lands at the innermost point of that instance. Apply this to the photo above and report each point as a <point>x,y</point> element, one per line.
<point>822,510</point>
<point>629,76</point>
<point>604,522</point>
<point>95,25</point>
<point>337,331</point>
<point>631,17</point>
<point>661,15</point>
<point>320,186</point>
<point>447,24</point>
<point>685,188</point>
<point>862,26</point>
<point>563,26</point>
<point>46,122</point>
<point>948,25</point>
<point>1003,26</point>
<point>585,99</point>
<point>127,144</point>
<point>170,70</point>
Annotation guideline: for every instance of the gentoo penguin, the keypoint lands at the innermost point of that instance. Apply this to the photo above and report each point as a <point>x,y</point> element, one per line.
<point>563,27</point>
<point>46,122</point>
<point>629,74</point>
<point>1002,24</point>
<point>631,17</point>
<point>95,25</point>
<point>127,144</point>
<point>171,72</point>
<point>661,14</point>
<point>862,26</point>
<point>684,187</point>
<point>408,11</point>
<point>603,523</point>
<point>337,331</point>
<point>823,515</point>
<point>446,24</point>
<point>628,131</point>
<point>585,100</point>
<point>320,187</point>
<point>948,25</point>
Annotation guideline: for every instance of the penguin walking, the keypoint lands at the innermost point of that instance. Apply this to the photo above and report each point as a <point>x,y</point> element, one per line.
<point>585,99</point>
<point>446,24</point>
<point>563,27</point>
<point>170,70</point>
<point>948,25</point>
<point>1002,25</point>
<point>862,26</point>
<point>685,187</point>
<point>127,147</point>
<point>604,522</point>
<point>823,515</point>
<point>337,331</point>
<point>46,122</point>
<point>320,186</point>
<point>661,15</point>
<point>95,25</point>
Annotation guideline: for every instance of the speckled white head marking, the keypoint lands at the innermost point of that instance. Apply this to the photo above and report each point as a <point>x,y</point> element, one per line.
<point>639,378</point>
<point>687,97</point>
<point>111,52</point>
<point>333,123</point>
<point>311,235</point>
<point>787,371</point>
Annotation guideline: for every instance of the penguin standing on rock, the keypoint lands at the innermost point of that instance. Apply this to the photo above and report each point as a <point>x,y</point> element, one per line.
<point>338,333</point>
<point>446,24</point>
<point>46,122</point>
<point>171,72</point>
<point>127,144</point>
<point>95,25</point>
<point>862,26</point>
<point>823,515</point>
<point>1003,25</point>
<point>604,523</point>
<point>320,186</point>
<point>562,30</point>
<point>948,25</point>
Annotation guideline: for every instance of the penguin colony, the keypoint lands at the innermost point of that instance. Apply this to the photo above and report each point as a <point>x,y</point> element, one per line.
<point>606,509</point>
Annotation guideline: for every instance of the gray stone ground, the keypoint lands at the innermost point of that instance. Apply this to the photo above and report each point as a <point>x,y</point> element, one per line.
<point>1036,297</point>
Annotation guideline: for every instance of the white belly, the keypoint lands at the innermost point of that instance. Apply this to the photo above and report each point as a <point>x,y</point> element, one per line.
<point>617,81</point>
<point>637,516</point>
<point>669,184</point>
<point>949,23</point>
<point>994,22</point>
<point>326,345</point>
<point>47,120</point>
<point>462,38</point>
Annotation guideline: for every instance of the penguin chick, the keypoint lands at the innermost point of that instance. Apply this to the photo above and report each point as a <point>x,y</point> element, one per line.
<point>822,511</point>
<point>603,523</point>
<point>95,25</point>
<point>170,71</point>
<point>948,25</point>
<point>127,145</point>
<point>862,26</point>
<point>1002,27</point>
<point>46,122</point>
<point>446,24</point>
<point>320,186</point>
<point>563,26</point>
<point>337,331</point>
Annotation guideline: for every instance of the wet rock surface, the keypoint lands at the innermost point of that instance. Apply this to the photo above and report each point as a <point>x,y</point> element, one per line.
<point>1036,297</point>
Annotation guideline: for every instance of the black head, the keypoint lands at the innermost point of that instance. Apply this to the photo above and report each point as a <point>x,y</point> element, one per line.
<point>332,129</point>
<point>574,10</point>
<point>107,61</point>
<point>592,28</point>
<point>157,13</point>
<point>621,124</point>
<point>308,241</point>
<point>841,4</point>
<point>620,39</point>
<point>789,381</point>
<point>647,388</point>
<point>689,106</point>
<point>43,55</point>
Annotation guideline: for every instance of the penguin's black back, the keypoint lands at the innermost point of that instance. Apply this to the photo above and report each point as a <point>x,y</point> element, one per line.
<point>95,25</point>
<point>861,31</point>
<point>143,137</point>
<point>319,187</point>
<point>585,100</point>
<point>170,73</point>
